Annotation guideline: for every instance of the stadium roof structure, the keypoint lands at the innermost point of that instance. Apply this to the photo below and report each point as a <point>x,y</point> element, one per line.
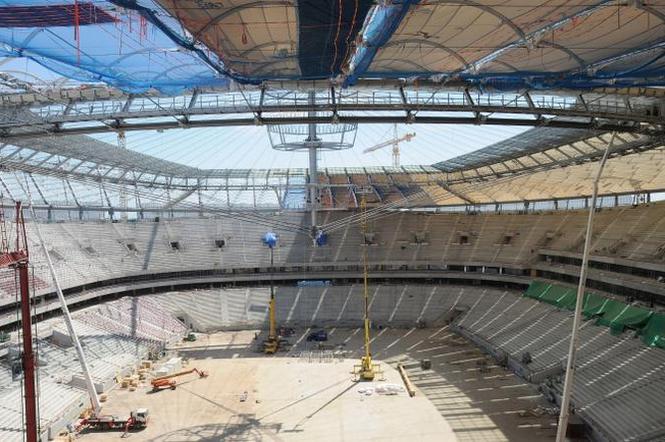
<point>574,71</point>
<point>168,45</point>
<point>534,140</point>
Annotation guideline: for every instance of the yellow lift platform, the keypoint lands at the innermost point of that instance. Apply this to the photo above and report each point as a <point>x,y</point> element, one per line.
<point>271,344</point>
<point>366,370</point>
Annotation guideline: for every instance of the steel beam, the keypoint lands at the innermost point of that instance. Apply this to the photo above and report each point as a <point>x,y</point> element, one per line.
<point>28,356</point>
<point>626,149</point>
<point>39,191</point>
<point>379,119</point>
<point>42,123</point>
<point>456,193</point>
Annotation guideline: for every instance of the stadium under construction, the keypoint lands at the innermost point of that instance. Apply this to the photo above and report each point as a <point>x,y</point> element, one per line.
<point>332,220</point>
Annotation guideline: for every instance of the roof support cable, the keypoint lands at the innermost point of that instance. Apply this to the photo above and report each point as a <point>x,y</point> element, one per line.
<point>259,111</point>
<point>376,212</point>
<point>71,190</point>
<point>467,97</point>
<point>39,191</point>
<point>242,214</point>
<point>592,119</point>
<point>9,193</point>
<point>405,102</point>
<point>333,99</point>
<point>532,106</point>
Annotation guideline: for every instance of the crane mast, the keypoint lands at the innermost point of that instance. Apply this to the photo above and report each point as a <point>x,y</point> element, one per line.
<point>395,147</point>
<point>18,260</point>
<point>394,142</point>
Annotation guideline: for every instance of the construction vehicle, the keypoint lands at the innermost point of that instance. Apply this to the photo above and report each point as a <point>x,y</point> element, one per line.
<point>270,345</point>
<point>168,381</point>
<point>317,336</point>
<point>138,419</point>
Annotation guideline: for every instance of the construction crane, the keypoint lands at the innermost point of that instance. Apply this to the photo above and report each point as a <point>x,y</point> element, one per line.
<point>394,143</point>
<point>18,260</point>
<point>168,381</point>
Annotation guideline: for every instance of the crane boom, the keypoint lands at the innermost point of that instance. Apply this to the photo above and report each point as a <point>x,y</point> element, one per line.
<point>168,381</point>
<point>201,373</point>
<point>407,137</point>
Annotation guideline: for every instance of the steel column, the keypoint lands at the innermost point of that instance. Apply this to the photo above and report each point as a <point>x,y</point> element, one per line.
<point>30,389</point>
<point>312,141</point>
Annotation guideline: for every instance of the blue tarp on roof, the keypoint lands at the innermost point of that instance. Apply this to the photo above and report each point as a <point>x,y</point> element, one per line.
<point>109,44</point>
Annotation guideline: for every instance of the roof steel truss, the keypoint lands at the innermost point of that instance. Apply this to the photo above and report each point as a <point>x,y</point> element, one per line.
<point>279,107</point>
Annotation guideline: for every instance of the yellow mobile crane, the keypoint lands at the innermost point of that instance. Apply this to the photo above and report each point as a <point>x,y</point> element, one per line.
<point>367,370</point>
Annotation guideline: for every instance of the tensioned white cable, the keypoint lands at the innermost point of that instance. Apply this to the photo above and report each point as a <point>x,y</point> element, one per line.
<point>247,215</point>
<point>63,304</point>
<point>379,211</point>
<point>375,213</point>
<point>388,209</point>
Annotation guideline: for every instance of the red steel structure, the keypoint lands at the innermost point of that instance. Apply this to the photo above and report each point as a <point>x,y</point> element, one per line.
<point>18,260</point>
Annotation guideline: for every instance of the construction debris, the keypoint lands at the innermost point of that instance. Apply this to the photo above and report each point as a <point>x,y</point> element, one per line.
<point>381,389</point>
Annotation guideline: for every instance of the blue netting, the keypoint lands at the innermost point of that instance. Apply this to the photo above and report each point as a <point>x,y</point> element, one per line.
<point>130,53</point>
<point>142,46</point>
<point>319,44</point>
